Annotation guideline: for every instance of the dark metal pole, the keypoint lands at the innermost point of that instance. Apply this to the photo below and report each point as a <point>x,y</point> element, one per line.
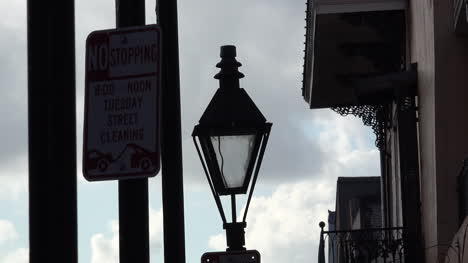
<point>171,148</point>
<point>321,252</point>
<point>410,183</point>
<point>52,132</point>
<point>233,208</point>
<point>133,193</point>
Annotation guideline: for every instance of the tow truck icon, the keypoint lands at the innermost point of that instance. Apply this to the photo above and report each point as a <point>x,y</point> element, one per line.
<point>138,158</point>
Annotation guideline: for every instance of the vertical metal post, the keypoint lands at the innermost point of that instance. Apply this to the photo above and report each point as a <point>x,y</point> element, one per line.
<point>171,148</point>
<point>233,208</point>
<point>409,171</point>
<point>52,132</point>
<point>133,193</point>
<point>321,252</point>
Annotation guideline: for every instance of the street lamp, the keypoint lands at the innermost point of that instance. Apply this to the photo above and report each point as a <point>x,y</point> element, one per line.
<point>230,140</point>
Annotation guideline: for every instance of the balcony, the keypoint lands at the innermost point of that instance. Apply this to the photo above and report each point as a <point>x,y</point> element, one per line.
<point>373,245</point>
<point>347,42</point>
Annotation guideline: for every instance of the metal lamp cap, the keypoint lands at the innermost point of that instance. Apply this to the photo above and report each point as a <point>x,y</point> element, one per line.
<point>228,51</point>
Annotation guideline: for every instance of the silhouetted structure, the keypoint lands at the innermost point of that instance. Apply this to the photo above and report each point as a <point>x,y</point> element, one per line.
<point>230,139</point>
<point>52,132</point>
<point>171,135</point>
<point>355,233</point>
<point>331,227</point>
<point>401,67</point>
<point>133,193</point>
<point>357,203</point>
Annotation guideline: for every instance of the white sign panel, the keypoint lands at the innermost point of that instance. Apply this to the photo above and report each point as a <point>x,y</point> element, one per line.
<point>122,100</point>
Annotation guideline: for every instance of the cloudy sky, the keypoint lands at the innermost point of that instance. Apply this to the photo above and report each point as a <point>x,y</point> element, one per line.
<point>307,151</point>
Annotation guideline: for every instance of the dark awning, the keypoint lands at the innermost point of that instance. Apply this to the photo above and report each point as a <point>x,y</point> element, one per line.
<point>347,42</point>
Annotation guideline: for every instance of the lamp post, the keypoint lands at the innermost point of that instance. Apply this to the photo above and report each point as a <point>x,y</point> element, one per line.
<point>230,140</point>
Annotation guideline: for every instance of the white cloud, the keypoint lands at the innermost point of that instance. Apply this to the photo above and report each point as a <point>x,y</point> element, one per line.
<point>15,16</point>
<point>20,255</point>
<point>9,234</point>
<point>156,230</point>
<point>13,71</point>
<point>284,227</point>
<point>348,146</point>
<point>340,135</point>
<point>7,231</point>
<point>105,249</point>
<point>14,178</point>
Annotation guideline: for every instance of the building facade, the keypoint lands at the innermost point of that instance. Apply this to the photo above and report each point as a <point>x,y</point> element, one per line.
<point>400,66</point>
<point>357,203</point>
<point>358,207</point>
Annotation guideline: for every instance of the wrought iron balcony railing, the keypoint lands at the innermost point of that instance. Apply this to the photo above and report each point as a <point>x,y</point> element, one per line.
<point>373,245</point>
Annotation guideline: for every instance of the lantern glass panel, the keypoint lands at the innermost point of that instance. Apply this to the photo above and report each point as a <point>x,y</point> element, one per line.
<point>233,154</point>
